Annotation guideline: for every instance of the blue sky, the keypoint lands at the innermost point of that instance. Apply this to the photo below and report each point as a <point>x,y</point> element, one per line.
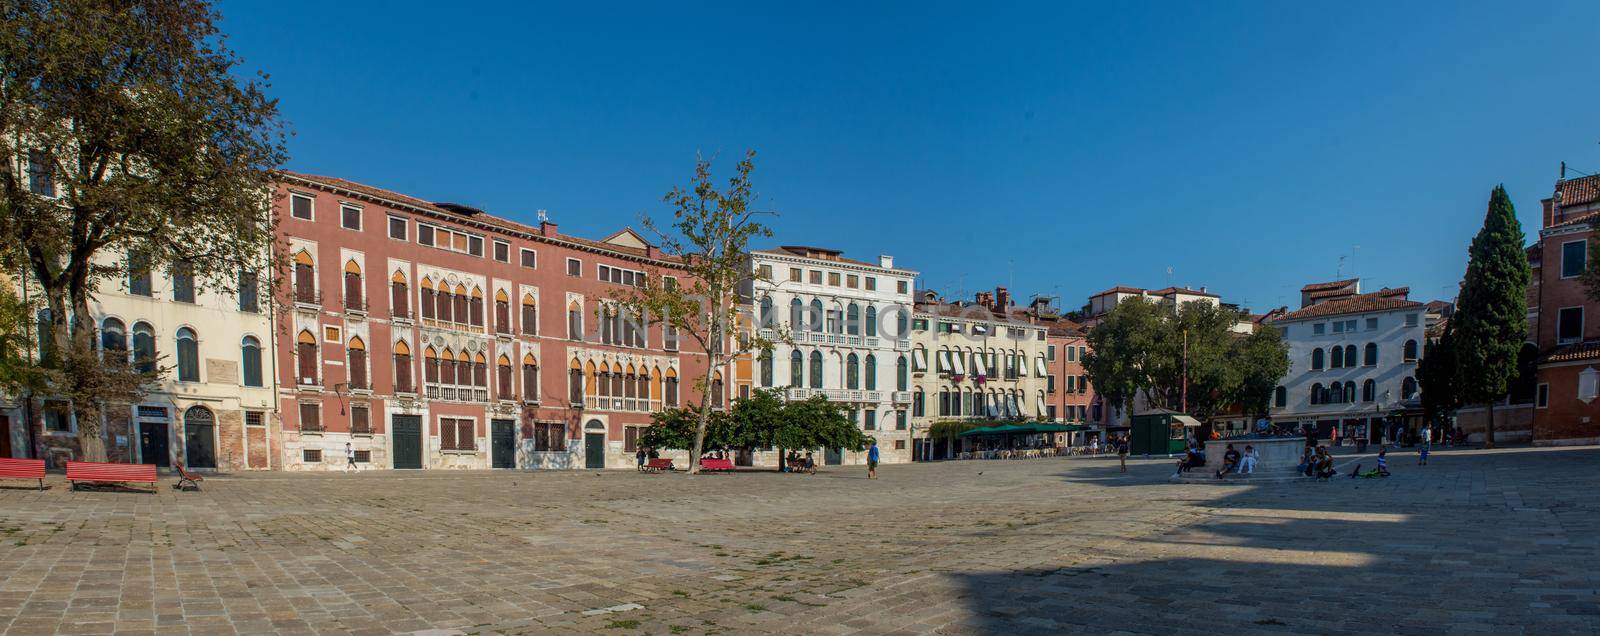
<point>1060,148</point>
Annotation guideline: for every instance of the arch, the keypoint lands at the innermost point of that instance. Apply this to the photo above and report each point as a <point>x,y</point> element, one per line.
<point>1316,359</point>
<point>401,348</point>
<point>1371,353</point>
<point>1335,357</point>
<point>1349,392</point>
<point>1369,390</point>
<point>307,356</point>
<point>1280,397</point>
<point>356,351</point>
<point>398,277</point>
<point>797,368</point>
<point>1409,351</point>
<point>817,315</point>
<point>852,372</point>
<point>870,381</point>
<point>872,322</point>
<point>250,360</point>
<point>816,369</point>
<point>113,335</point>
<point>765,315</point>
<point>303,257</point>
<point>1316,393</point>
<point>427,282</point>
<point>902,375</point>
<point>589,379</point>
<point>852,319</point>
<point>594,425</point>
<point>351,267</point>
<point>199,437</point>
<point>188,355</point>
<point>1408,388</point>
<point>356,343</point>
<point>1350,355</point>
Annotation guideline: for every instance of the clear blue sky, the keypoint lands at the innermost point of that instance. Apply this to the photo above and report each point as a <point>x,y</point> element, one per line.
<point>1063,148</point>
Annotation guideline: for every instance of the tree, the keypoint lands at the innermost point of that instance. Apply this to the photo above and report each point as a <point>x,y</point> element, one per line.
<point>130,143</point>
<point>1491,319</point>
<point>677,428</point>
<point>1188,359</point>
<point>1436,376</point>
<point>816,422</point>
<point>710,235</point>
<point>763,420</point>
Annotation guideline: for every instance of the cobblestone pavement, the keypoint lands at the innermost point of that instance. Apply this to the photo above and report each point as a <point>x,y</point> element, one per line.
<point>1501,542</point>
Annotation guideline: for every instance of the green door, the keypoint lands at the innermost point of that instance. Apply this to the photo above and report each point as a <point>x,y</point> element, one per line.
<point>405,433</point>
<point>503,443</point>
<point>594,444</point>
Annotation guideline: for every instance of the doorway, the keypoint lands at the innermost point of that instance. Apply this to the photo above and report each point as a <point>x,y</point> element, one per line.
<point>503,443</point>
<point>405,432</point>
<point>199,438</point>
<point>153,444</point>
<point>594,444</point>
<point>5,435</point>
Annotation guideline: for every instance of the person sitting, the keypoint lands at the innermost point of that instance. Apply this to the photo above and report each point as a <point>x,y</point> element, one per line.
<point>1324,466</point>
<point>1308,461</point>
<point>1230,462</point>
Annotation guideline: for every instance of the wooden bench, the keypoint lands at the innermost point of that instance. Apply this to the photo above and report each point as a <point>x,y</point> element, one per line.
<point>186,477</point>
<point>658,465</point>
<point>715,465</point>
<point>111,473</point>
<point>22,469</point>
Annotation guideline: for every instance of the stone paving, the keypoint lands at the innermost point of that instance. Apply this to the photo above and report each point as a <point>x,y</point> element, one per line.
<point>1480,541</point>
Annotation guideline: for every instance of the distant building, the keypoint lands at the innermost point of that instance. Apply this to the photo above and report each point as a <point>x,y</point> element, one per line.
<point>1352,362</point>
<point>1564,322</point>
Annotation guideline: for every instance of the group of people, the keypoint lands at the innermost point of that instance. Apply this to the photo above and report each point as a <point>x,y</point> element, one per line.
<point>1233,461</point>
<point>1316,462</point>
<point>794,463</point>
<point>643,455</point>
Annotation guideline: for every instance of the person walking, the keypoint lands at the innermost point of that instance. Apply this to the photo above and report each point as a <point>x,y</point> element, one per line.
<point>350,458</point>
<point>1122,452</point>
<point>872,461</point>
<point>639,455</point>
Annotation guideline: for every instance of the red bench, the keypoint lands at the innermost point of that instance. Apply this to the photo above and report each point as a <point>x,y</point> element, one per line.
<point>658,465</point>
<point>22,469</point>
<point>108,472</point>
<point>715,465</point>
<point>186,477</point>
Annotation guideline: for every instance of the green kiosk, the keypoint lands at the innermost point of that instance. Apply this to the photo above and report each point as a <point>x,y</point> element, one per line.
<point>1160,432</point>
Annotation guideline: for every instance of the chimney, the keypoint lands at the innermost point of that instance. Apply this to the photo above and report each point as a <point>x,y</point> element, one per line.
<point>547,228</point>
<point>886,261</point>
<point>1002,299</point>
<point>984,299</point>
<point>650,251</point>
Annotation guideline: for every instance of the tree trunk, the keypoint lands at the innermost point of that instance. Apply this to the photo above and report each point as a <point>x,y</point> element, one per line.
<point>712,359</point>
<point>1488,436</point>
<point>91,438</point>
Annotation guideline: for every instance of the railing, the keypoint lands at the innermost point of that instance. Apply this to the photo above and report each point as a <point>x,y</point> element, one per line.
<point>901,397</point>
<point>402,316</point>
<point>309,299</point>
<point>837,395</point>
<point>310,428</point>
<point>355,305</point>
<point>457,393</point>
<point>607,403</point>
<point>405,388</point>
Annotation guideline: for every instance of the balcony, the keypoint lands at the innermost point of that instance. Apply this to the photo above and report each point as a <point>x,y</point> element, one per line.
<point>403,317</point>
<point>638,405</point>
<point>457,393</point>
<point>901,397</point>
<point>837,395</point>
<point>306,299</point>
<point>355,306</point>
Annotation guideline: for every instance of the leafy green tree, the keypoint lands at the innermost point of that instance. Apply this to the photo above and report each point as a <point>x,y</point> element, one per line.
<point>1127,350</point>
<point>816,422</point>
<point>126,130</point>
<point>677,428</point>
<point>763,420</point>
<point>710,234</point>
<point>1491,319</point>
<point>1436,376</point>
<point>1256,365</point>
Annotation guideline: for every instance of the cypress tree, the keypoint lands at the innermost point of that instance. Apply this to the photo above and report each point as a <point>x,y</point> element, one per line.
<point>1491,319</point>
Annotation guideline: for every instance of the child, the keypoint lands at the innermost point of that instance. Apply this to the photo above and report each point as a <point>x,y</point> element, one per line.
<point>1248,464</point>
<point>1383,462</point>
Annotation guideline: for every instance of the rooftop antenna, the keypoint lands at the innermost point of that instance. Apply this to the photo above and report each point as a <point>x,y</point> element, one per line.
<point>1338,271</point>
<point>1355,250</point>
<point>1169,275</point>
<point>543,216</point>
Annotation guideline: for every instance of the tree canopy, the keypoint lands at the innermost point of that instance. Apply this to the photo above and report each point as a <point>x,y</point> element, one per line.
<point>132,143</point>
<point>1491,318</point>
<point>763,420</point>
<point>1148,349</point>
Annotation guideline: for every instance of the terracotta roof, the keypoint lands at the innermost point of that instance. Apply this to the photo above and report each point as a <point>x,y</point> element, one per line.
<point>1331,293</point>
<point>1581,218</point>
<point>488,219</point>
<point>1381,300</point>
<point>1586,350</point>
<point>1183,290</point>
<point>1335,284</point>
<point>1580,190</point>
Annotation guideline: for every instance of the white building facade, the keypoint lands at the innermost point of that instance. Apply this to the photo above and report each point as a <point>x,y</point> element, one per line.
<point>1352,365</point>
<point>846,323</point>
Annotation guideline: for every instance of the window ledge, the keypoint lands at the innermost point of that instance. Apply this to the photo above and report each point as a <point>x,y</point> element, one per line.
<point>366,435</point>
<point>453,451</point>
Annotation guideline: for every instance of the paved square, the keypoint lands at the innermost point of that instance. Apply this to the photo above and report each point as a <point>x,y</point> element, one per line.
<point>1500,542</point>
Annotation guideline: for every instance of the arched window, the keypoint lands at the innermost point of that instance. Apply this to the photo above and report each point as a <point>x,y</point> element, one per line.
<point>852,322</point>
<point>432,369</point>
<point>199,438</point>
<point>575,382</point>
<point>305,346</point>
<point>1316,393</point>
<point>797,315</point>
<point>444,303</point>
<point>916,403</point>
<point>1410,351</point>
<point>816,369</point>
<point>1316,359</point>
<point>871,373</point>
<point>1350,356</point>
<point>188,356</point>
<point>1369,390</point>
<point>765,316</point>
<point>480,371</point>
<point>944,402</point>
<point>872,321</point>
<point>616,380</point>
<point>503,377</point>
<point>574,320</point>
<point>629,385</point>
<point>305,278</point>
<point>716,390</point>
<point>250,360</point>
<point>530,315</point>
<point>766,368</point>
<point>530,378</point>
<point>671,393</point>
<point>402,368</point>
<point>447,367</point>
<point>797,369</point>
<point>902,375</point>
<point>1280,397</point>
<point>1349,392</point>
<point>354,300</point>
<point>852,372</point>
<point>399,295</point>
<point>816,315</point>
<point>1371,354</point>
<point>356,353</point>
<point>502,312</point>
<point>475,307</point>
<point>1335,357</point>
<point>1408,388</point>
<point>430,299</point>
